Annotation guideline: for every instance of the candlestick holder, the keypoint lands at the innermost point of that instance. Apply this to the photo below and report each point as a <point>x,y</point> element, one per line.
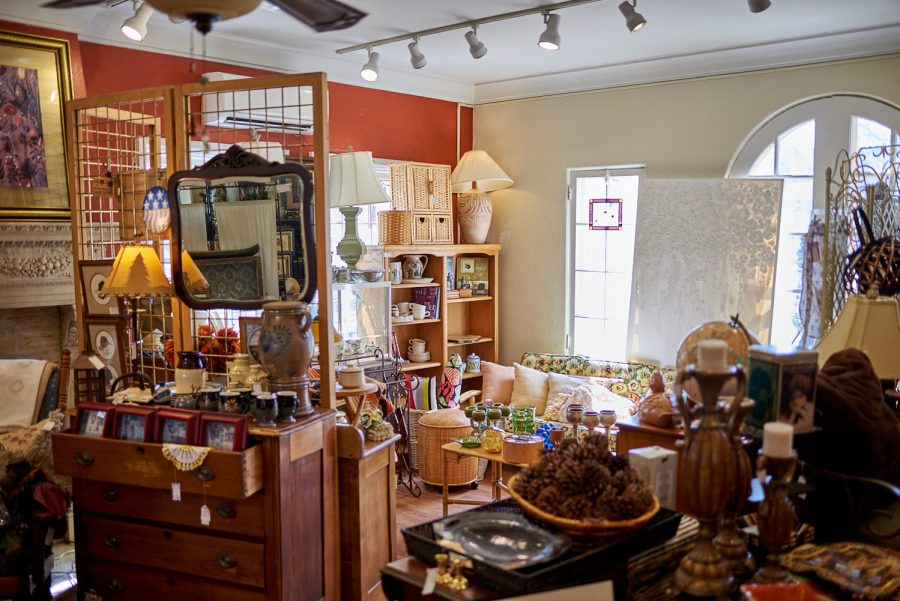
<point>775,518</point>
<point>707,475</point>
<point>729,541</point>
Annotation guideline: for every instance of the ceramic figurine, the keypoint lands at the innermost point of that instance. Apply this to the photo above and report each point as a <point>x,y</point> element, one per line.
<point>658,408</point>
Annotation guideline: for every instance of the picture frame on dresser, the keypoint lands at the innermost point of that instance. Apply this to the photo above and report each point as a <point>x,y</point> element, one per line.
<point>223,432</point>
<point>106,337</point>
<point>94,420</point>
<point>176,426</point>
<point>250,331</point>
<point>93,275</point>
<point>134,423</point>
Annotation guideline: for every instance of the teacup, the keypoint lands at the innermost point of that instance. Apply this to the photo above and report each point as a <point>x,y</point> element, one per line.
<point>419,311</point>
<point>395,311</point>
<point>416,345</point>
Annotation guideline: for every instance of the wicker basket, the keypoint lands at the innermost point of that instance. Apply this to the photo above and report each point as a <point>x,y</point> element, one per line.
<point>436,429</point>
<point>414,416</point>
<point>595,528</point>
<point>394,227</point>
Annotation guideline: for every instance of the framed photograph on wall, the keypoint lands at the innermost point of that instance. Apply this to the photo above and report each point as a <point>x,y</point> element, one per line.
<point>251,328</point>
<point>223,431</point>
<point>93,276</point>
<point>94,419</point>
<point>106,337</point>
<point>36,83</point>
<point>134,423</point>
<point>176,426</point>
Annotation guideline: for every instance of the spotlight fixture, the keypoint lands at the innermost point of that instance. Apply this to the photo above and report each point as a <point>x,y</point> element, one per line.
<point>757,6</point>
<point>135,27</point>
<point>369,71</point>
<point>550,39</point>
<point>476,48</point>
<point>634,21</point>
<point>416,58</point>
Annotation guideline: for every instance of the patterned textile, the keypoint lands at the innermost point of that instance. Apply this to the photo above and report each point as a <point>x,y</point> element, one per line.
<point>635,377</point>
<point>31,444</point>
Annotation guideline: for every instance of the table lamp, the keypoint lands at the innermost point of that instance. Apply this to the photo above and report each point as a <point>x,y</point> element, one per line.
<point>870,323</point>
<point>475,175</point>
<point>352,181</point>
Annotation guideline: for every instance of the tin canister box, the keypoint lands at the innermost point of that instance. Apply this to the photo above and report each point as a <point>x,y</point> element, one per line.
<point>782,381</point>
<point>659,467</point>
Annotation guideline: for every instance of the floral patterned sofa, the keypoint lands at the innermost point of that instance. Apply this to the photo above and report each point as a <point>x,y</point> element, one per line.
<point>635,377</point>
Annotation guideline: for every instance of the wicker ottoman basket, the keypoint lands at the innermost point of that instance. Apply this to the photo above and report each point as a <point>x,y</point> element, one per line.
<point>436,429</point>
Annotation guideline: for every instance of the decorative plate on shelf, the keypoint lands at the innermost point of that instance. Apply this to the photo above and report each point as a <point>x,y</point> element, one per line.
<point>418,281</point>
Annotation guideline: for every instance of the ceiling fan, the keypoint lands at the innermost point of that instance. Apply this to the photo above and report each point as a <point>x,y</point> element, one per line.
<point>321,15</point>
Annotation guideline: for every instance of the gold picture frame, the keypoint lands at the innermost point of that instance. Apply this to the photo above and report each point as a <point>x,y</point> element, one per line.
<point>35,83</point>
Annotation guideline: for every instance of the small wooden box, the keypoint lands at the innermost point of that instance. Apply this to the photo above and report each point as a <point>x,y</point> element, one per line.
<point>783,384</point>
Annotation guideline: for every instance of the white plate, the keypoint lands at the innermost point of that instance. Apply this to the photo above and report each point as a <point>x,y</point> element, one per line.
<point>419,281</point>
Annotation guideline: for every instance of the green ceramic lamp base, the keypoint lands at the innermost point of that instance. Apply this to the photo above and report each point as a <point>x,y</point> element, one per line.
<point>350,248</point>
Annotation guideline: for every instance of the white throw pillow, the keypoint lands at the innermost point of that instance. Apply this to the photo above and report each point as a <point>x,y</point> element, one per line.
<point>530,389</point>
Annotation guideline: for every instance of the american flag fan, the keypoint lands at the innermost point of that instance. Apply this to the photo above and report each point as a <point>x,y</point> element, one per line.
<point>156,210</point>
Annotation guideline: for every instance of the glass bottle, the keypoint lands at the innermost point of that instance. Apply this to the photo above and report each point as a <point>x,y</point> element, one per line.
<point>492,439</point>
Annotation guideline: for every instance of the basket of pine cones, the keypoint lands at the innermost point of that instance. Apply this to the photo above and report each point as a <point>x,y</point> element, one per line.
<point>584,490</point>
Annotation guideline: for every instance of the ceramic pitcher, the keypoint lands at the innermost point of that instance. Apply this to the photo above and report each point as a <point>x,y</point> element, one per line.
<point>286,347</point>
<point>414,266</point>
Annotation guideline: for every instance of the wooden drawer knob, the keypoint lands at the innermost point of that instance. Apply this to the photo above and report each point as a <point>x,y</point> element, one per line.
<point>226,510</point>
<point>227,561</point>
<point>112,541</point>
<point>114,586</point>
<point>83,458</point>
<point>110,494</point>
<point>205,474</point>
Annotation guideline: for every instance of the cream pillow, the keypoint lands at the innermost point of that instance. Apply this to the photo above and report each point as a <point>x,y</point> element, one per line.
<point>530,389</point>
<point>560,383</point>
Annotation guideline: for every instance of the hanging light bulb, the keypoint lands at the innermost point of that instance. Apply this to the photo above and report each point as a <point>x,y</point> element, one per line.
<point>416,58</point>
<point>757,6</point>
<point>369,71</point>
<point>550,39</point>
<point>476,48</point>
<point>634,21</point>
<point>135,27</point>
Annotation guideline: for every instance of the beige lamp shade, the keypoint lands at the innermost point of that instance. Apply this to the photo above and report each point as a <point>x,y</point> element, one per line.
<point>476,169</point>
<point>137,271</point>
<point>194,280</point>
<point>352,180</point>
<point>871,325</point>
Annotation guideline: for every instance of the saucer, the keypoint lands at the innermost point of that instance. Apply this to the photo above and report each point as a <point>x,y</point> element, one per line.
<point>402,318</point>
<point>420,357</point>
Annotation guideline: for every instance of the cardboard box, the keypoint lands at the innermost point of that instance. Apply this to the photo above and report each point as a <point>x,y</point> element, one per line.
<point>782,381</point>
<point>659,467</point>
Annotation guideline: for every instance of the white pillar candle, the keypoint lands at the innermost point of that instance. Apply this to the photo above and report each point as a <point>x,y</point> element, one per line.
<point>712,355</point>
<point>778,440</point>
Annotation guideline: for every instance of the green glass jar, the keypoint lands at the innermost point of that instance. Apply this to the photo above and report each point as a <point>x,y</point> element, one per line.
<point>492,439</point>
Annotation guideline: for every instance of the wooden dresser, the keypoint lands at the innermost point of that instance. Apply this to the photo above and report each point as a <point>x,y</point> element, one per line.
<point>272,533</point>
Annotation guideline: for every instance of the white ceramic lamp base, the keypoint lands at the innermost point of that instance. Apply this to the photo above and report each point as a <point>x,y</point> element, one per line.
<point>474,210</point>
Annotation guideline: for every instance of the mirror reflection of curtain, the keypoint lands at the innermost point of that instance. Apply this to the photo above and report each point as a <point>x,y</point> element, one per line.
<point>193,227</point>
<point>248,222</point>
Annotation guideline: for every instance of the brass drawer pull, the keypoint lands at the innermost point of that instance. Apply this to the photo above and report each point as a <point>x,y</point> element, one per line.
<point>205,474</point>
<point>227,561</point>
<point>114,586</point>
<point>83,458</point>
<point>226,510</point>
<point>110,494</point>
<point>112,541</point>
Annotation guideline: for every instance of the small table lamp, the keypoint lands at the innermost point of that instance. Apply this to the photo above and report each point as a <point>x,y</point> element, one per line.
<point>475,175</point>
<point>352,181</point>
<point>870,323</point>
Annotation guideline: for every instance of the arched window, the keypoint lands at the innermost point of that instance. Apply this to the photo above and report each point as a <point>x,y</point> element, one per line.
<point>798,144</point>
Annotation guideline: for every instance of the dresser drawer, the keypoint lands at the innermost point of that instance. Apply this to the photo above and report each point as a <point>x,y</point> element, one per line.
<point>232,516</point>
<point>226,474</point>
<point>122,582</point>
<point>171,549</point>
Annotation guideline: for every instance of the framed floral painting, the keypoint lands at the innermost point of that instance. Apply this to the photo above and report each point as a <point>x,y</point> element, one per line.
<point>35,82</point>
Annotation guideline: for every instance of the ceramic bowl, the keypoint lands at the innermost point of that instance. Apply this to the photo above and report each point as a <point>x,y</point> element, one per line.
<point>368,275</point>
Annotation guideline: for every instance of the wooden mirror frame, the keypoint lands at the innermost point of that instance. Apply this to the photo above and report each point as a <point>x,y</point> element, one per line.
<point>236,163</point>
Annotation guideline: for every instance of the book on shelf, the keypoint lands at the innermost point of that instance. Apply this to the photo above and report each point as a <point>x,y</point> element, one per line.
<point>429,297</point>
<point>450,274</point>
<point>452,294</point>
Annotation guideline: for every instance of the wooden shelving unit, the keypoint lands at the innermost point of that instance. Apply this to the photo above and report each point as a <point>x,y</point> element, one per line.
<point>471,315</point>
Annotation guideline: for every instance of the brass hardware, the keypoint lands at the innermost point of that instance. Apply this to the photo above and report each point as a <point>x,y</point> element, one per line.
<point>443,578</point>
<point>114,586</point>
<point>110,494</point>
<point>226,510</point>
<point>459,582</point>
<point>204,474</point>
<point>83,458</point>
<point>227,561</point>
<point>112,541</point>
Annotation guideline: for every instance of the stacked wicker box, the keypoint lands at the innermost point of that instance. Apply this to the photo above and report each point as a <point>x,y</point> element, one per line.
<point>424,190</point>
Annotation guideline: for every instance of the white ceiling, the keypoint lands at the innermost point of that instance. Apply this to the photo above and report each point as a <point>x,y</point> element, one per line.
<point>683,38</point>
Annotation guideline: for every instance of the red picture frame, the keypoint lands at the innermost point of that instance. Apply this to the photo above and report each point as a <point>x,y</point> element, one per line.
<point>608,215</point>
<point>137,424</point>
<point>94,419</point>
<point>176,426</point>
<point>223,431</point>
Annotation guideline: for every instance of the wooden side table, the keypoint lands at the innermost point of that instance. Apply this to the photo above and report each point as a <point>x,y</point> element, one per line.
<point>453,451</point>
<point>353,400</point>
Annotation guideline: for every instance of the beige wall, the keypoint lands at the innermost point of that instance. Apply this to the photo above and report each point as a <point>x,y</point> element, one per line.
<point>677,130</point>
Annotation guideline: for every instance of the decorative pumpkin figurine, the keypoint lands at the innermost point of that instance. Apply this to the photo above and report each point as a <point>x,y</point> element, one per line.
<point>658,408</point>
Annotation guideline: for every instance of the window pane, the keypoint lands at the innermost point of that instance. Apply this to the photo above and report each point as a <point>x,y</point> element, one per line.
<point>589,294</point>
<point>796,149</point>
<point>590,337</point>
<point>590,248</point>
<point>764,163</point>
<point>869,133</point>
<point>796,205</point>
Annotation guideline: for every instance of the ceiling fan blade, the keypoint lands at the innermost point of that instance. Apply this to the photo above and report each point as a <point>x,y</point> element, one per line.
<point>72,3</point>
<point>321,15</point>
